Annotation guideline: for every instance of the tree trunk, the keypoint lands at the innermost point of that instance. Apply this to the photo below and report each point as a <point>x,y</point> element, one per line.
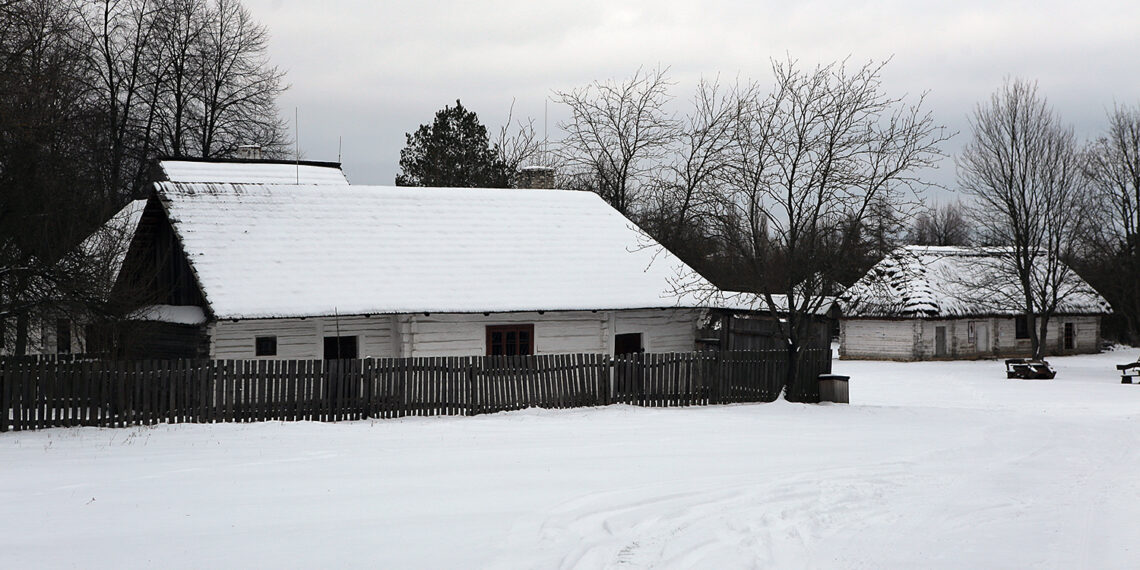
<point>796,390</point>
<point>21,347</point>
<point>1041,344</point>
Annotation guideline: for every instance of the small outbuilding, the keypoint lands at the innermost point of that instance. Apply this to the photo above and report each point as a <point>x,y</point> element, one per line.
<point>925,302</point>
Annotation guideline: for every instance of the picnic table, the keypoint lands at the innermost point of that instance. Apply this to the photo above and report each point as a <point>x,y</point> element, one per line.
<point>1029,369</point>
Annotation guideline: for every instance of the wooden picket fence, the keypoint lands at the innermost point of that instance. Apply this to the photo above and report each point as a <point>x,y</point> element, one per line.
<point>37,394</point>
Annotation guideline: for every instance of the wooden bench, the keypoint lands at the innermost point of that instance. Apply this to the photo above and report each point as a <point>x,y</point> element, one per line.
<point>1128,371</point>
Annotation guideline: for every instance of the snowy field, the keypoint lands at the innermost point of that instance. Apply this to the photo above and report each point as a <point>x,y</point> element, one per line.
<point>933,465</point>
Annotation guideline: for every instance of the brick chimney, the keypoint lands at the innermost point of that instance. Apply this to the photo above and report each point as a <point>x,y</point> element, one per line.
<point>535,177</point>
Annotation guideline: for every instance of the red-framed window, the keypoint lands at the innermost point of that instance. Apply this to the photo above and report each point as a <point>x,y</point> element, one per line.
<point>510,340</point>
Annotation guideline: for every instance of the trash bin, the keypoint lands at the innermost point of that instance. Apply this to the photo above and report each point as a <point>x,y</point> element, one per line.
<point>833,388</point>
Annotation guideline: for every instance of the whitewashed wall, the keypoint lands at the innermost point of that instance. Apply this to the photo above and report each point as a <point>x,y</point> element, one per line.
<point>892,340</point>
<point>465,334</point>
<point>454,334</point>
<point>300,338</point>
<point>668,330</point>
<point>1087,329</point>
<point>914,339</point>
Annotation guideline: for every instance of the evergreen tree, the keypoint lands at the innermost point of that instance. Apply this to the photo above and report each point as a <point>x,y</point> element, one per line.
<point>453,151</point>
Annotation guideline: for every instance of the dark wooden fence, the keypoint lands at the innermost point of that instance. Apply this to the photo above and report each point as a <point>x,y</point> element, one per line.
<point>37,393</point>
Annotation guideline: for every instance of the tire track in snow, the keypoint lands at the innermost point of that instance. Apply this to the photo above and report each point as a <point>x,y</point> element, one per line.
<point>769,523</point>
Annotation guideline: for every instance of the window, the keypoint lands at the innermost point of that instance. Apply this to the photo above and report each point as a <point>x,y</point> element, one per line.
<point>340,347</point>
<point>628,343</point>
<point>265,346</point>
<point>63,336</point>
<point>510,340</point>
<point>1022,325</point>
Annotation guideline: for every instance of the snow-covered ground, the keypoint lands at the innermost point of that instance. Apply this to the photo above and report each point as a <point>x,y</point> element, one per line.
<point>933,465</point>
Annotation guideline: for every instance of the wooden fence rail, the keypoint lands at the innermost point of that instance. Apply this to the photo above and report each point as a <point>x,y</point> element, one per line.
<point>36,394</point>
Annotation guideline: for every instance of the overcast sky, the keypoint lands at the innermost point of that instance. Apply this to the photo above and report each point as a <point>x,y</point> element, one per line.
<point>370,72</point>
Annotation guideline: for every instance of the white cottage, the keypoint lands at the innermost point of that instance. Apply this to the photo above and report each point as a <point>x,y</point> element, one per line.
<point>923,303</point>
<point>322,271</point>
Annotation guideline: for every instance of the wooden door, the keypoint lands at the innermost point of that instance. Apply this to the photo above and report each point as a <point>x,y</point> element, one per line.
<point>939,341</point>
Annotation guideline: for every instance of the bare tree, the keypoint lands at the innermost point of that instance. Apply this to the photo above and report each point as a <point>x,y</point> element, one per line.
<point>942,225</point>
<point>237,96</point>
<point>811,159</point>
<point>1025,172</point>
<point>175,67</point>
<point>1113,256</point>
<point>180,78</point>
<point>50,142</point>
<point>518,144</point>
<point>120,35</point>
<point>699,156</point>
<point>87,91</point>
<point>617,133</point>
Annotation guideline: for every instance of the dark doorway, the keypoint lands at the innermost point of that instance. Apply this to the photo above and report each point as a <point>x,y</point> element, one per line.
<point>340,347</point>
<point>628,343</point>
<point>1070,336</point>
<point>939,341</point>
<point>63,337</point>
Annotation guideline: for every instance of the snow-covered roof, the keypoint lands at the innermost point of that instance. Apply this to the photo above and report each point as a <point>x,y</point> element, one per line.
<point>947,281</point>
<point>111,241</point>
<point>263,251</point>
<point>251,172</point>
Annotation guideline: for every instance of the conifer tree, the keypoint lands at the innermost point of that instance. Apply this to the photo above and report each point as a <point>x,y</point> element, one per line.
<point>453,151</point>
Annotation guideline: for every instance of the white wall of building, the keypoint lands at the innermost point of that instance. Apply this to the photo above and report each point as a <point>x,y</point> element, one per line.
<point>452,334</point>
<point>986,337</point>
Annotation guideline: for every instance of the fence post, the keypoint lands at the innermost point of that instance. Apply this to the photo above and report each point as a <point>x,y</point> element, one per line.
<point>719,376</point>
<point>5,397</point>
<point>472,406</point>
<point>605,377</point>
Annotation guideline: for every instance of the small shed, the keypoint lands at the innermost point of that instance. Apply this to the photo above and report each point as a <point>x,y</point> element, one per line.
<point>925,302</point>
